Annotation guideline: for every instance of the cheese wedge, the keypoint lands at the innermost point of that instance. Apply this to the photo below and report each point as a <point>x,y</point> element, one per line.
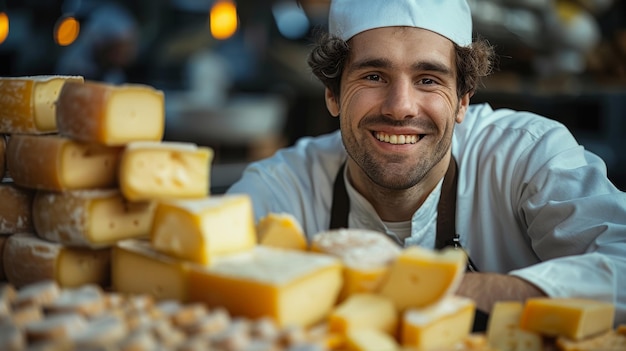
<point>574,318</point>
<point>90,218</point>
<point>364,311</point>
<point>29,259</point>
<point>167,170</point>
<point>136,268</point>
<point>28,104</point>
<point>363,339</point>
<point>366,256</point>
<point>504,333</point>
<point>110,114</point>
<point>281,230</point>
<point>439,325</point>
<point>292,287</point>
<point>420,277</point>
<point>199,230</point>
<point>52,162</point>
<point>15,208</point>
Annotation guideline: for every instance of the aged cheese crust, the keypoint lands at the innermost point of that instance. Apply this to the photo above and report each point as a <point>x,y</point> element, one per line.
<point>15,208</point>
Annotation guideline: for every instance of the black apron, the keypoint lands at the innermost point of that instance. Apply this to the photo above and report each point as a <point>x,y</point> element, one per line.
<point>446,220</point>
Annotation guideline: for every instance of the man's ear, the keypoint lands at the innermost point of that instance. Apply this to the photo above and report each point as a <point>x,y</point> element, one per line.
<point>331,103</point>
<point>463,104</point>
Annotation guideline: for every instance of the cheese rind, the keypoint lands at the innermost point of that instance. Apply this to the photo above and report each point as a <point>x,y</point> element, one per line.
<point>292,287</point>
<point>281,230</point>
<point>366,256</point>
<point>165,170</point>
<point>110,114</point>
<point>28,259</point>
<point>575,318</point>
<point>52,162</point>
<point>199,230</point>
<point>439,325</point>
<point>28,104</point>
<point>136,268</point>
<point>90,218</point>
<point>3,147</point>
<point>364,311</point>
<point>15,209</point>
<point>420,277</point>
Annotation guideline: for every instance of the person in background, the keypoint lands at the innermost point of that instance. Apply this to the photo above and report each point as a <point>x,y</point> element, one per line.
<point>413,159</point>
<point>106,46</point>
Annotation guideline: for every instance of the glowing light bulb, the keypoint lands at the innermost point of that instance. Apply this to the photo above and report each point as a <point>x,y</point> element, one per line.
<point>223,19</point>
<point>66,31</point>
<point>4,26</point>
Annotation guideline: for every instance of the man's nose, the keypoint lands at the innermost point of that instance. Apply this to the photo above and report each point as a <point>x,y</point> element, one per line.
<point>401,100</point>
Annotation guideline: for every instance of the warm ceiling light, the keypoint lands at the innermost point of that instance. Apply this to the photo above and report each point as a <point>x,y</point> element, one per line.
<point>223,19</point>
<point>4,26</point>
<point>66,30</point>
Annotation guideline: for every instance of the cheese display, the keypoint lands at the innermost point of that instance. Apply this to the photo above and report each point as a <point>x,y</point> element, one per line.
<point>15,208</point>
<point>28,259</point>
<point>90,218</point>
<point>364,311</point>
<point>281,230</point>
<point>53,162</point>
<point>28,104</point>
<point>366,256</point>
<point>570,317</point>
<point>110,114</point>
<point>199,230</point>
<point>503,329</point>
<point>166,170</point>
<point>290,286</point>
<point>420,277</point>
<point>136,268</point>
<point>439,325</point>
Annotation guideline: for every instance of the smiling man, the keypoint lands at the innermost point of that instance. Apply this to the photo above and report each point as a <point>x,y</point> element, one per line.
<point>415,161</point>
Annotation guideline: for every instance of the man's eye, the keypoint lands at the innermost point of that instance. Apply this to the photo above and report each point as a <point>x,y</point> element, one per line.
<point>427,81</point>
<point>373,77</point>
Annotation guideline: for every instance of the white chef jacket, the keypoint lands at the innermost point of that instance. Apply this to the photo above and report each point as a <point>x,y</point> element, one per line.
<point>531,202</point>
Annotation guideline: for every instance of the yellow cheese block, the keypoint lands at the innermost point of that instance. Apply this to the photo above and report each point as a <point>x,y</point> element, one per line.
<point>15,208</point>
<point>292,287</point>
<point>363,339</point>
<point>3,147</point>
<point>366,256</point>
<point>420,277</point>
<point>28,259</point>
<point>364,311</point>
<point>52,162</point>
<point>165,170</point>
<point>199,230</point>
<point>28,104</point>
<point>110,114</point>
<point>504,333</point>
<point>574,318</point>
<point>440,325</point>
<point>136,268</point>
<point>90,218</point>
<point>281,230</point>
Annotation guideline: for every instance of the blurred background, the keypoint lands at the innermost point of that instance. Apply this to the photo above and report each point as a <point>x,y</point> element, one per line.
<point>235,77</point>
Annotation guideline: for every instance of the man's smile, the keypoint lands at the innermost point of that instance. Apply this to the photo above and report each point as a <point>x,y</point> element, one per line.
<point>397,139</point>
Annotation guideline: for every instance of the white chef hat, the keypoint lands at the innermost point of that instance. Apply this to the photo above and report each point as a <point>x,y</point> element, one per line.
<point>449,18</point>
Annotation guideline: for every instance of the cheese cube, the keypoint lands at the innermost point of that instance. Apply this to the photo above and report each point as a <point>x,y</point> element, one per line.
<point>292,287</point>
<point>167,170</point>
<point>136,268</point>
<point>198,230</point>
<point>281,230</point>
<point>90,218</point>
<point>363,339</point>
<point>53,162</point>
<point>28,259</point>
<point>110,114</point>
<point>15,209</point>
<point>366,256</point>
<point>420,277</point>
<point>28,104</point>
<point>504,333</point>
<point>364,311</point>
<point>575,318</point>
<point>440,325</point>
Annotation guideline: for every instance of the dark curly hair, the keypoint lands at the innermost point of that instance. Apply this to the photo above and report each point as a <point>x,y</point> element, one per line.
<point>329,54</point>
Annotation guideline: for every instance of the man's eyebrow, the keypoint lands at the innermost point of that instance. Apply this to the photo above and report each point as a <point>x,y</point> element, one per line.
<point>428,66</point>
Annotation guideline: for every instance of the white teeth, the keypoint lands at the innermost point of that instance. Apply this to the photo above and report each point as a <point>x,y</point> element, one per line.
<point>397,139</point>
